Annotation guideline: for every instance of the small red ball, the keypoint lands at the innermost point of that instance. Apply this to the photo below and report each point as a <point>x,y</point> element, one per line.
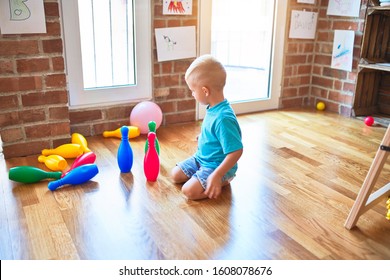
<point>369,121</point>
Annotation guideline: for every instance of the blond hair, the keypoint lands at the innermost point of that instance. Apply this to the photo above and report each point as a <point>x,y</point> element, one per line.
<point>207,71</point>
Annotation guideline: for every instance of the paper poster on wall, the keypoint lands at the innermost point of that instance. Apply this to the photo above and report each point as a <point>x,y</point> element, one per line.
<point>175,43</point>
<point>303,24</point>
<point>178,7</point>
<point>342,55</point>
<point>346,8</point>
<point>19,17</point>
<point>307,1</point>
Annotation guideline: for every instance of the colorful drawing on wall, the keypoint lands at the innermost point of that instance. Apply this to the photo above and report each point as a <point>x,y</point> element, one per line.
<point>342,55</point>
<point>346,8</point>
<point>303,24</point>
<point>22,16</point>
<point>179,7</point>
<point>175,43</point>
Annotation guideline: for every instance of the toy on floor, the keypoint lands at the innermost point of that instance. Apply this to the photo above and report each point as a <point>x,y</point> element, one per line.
<point>125,152</point>
<point>65,150</point>
<point>388,209</point>
<point>143,113</point>
<point>77,176</point>
<point>369,121</point>
<point>133,132</point>
<point>78,138</point>
<point>86,158</point>
<point>151,159</point>
<point>31,174</point>
<point>53,162</point>
<point>152,128</point>
<point>320,106</point>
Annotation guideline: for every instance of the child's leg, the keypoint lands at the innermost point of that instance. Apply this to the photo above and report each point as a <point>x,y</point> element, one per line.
<point>184,170</point>
<point>193,189</point>
<point>178,175</point>
<point>183,173</point>
<point>195,178</point>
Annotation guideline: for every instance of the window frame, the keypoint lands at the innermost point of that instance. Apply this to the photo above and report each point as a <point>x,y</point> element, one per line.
<point>80,97</point>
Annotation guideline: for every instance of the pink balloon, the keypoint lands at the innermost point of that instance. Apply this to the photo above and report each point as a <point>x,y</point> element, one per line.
<point>145,112</point>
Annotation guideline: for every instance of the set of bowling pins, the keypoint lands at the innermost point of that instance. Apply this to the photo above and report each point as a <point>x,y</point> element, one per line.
<point>151,163</point>
<point>82,170</point>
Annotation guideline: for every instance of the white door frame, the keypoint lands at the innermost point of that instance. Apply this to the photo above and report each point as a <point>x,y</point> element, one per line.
<point>205,9</point>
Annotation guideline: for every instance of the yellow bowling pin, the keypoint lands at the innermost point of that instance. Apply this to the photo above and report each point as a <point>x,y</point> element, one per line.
<point>77,138</point>
<point>65,150</point>
<point>53,162</point>
<point>133,132</point>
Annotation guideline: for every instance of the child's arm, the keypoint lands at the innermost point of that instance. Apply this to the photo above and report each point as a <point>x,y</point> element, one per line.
<point>214,181</point>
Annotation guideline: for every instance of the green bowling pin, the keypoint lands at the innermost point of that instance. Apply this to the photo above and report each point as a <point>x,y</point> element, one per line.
<point>31,174</point>
<point>152,128</point>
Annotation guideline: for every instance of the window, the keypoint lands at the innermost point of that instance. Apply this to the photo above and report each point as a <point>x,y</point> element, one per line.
<point>107,43</point>
<point>107,51</point>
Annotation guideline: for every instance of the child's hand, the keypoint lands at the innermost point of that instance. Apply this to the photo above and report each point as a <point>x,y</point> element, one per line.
<point>214,186</point>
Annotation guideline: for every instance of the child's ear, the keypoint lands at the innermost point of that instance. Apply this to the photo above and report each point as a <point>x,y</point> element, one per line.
<point>205,91</point>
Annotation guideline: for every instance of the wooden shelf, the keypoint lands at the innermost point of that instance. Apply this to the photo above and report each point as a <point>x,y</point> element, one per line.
<point>375,5</point>
<point>372,93</point>
<point>376,66</point>
<point>374,9</point>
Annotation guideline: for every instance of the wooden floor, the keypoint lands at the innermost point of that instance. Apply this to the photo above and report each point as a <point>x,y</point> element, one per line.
<point>296,183</point>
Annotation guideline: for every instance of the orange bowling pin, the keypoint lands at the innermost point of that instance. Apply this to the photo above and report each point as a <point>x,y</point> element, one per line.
<point>133,132</point>
<point>53,162</point>
<point>65,150</point>
<point>77,138</point>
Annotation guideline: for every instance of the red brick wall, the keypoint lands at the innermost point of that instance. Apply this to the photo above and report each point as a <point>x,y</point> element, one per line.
<point>33,97</point>
<point>298,64</point>
<point>308,77</point>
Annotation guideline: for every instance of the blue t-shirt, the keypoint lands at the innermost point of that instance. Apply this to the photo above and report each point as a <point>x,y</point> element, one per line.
<point>220,135</point>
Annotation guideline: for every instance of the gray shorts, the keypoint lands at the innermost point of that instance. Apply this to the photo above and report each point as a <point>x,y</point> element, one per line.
<point>192,168</point>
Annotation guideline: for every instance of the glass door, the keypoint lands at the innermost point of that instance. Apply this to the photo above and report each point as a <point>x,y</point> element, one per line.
<point>247,36</point>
